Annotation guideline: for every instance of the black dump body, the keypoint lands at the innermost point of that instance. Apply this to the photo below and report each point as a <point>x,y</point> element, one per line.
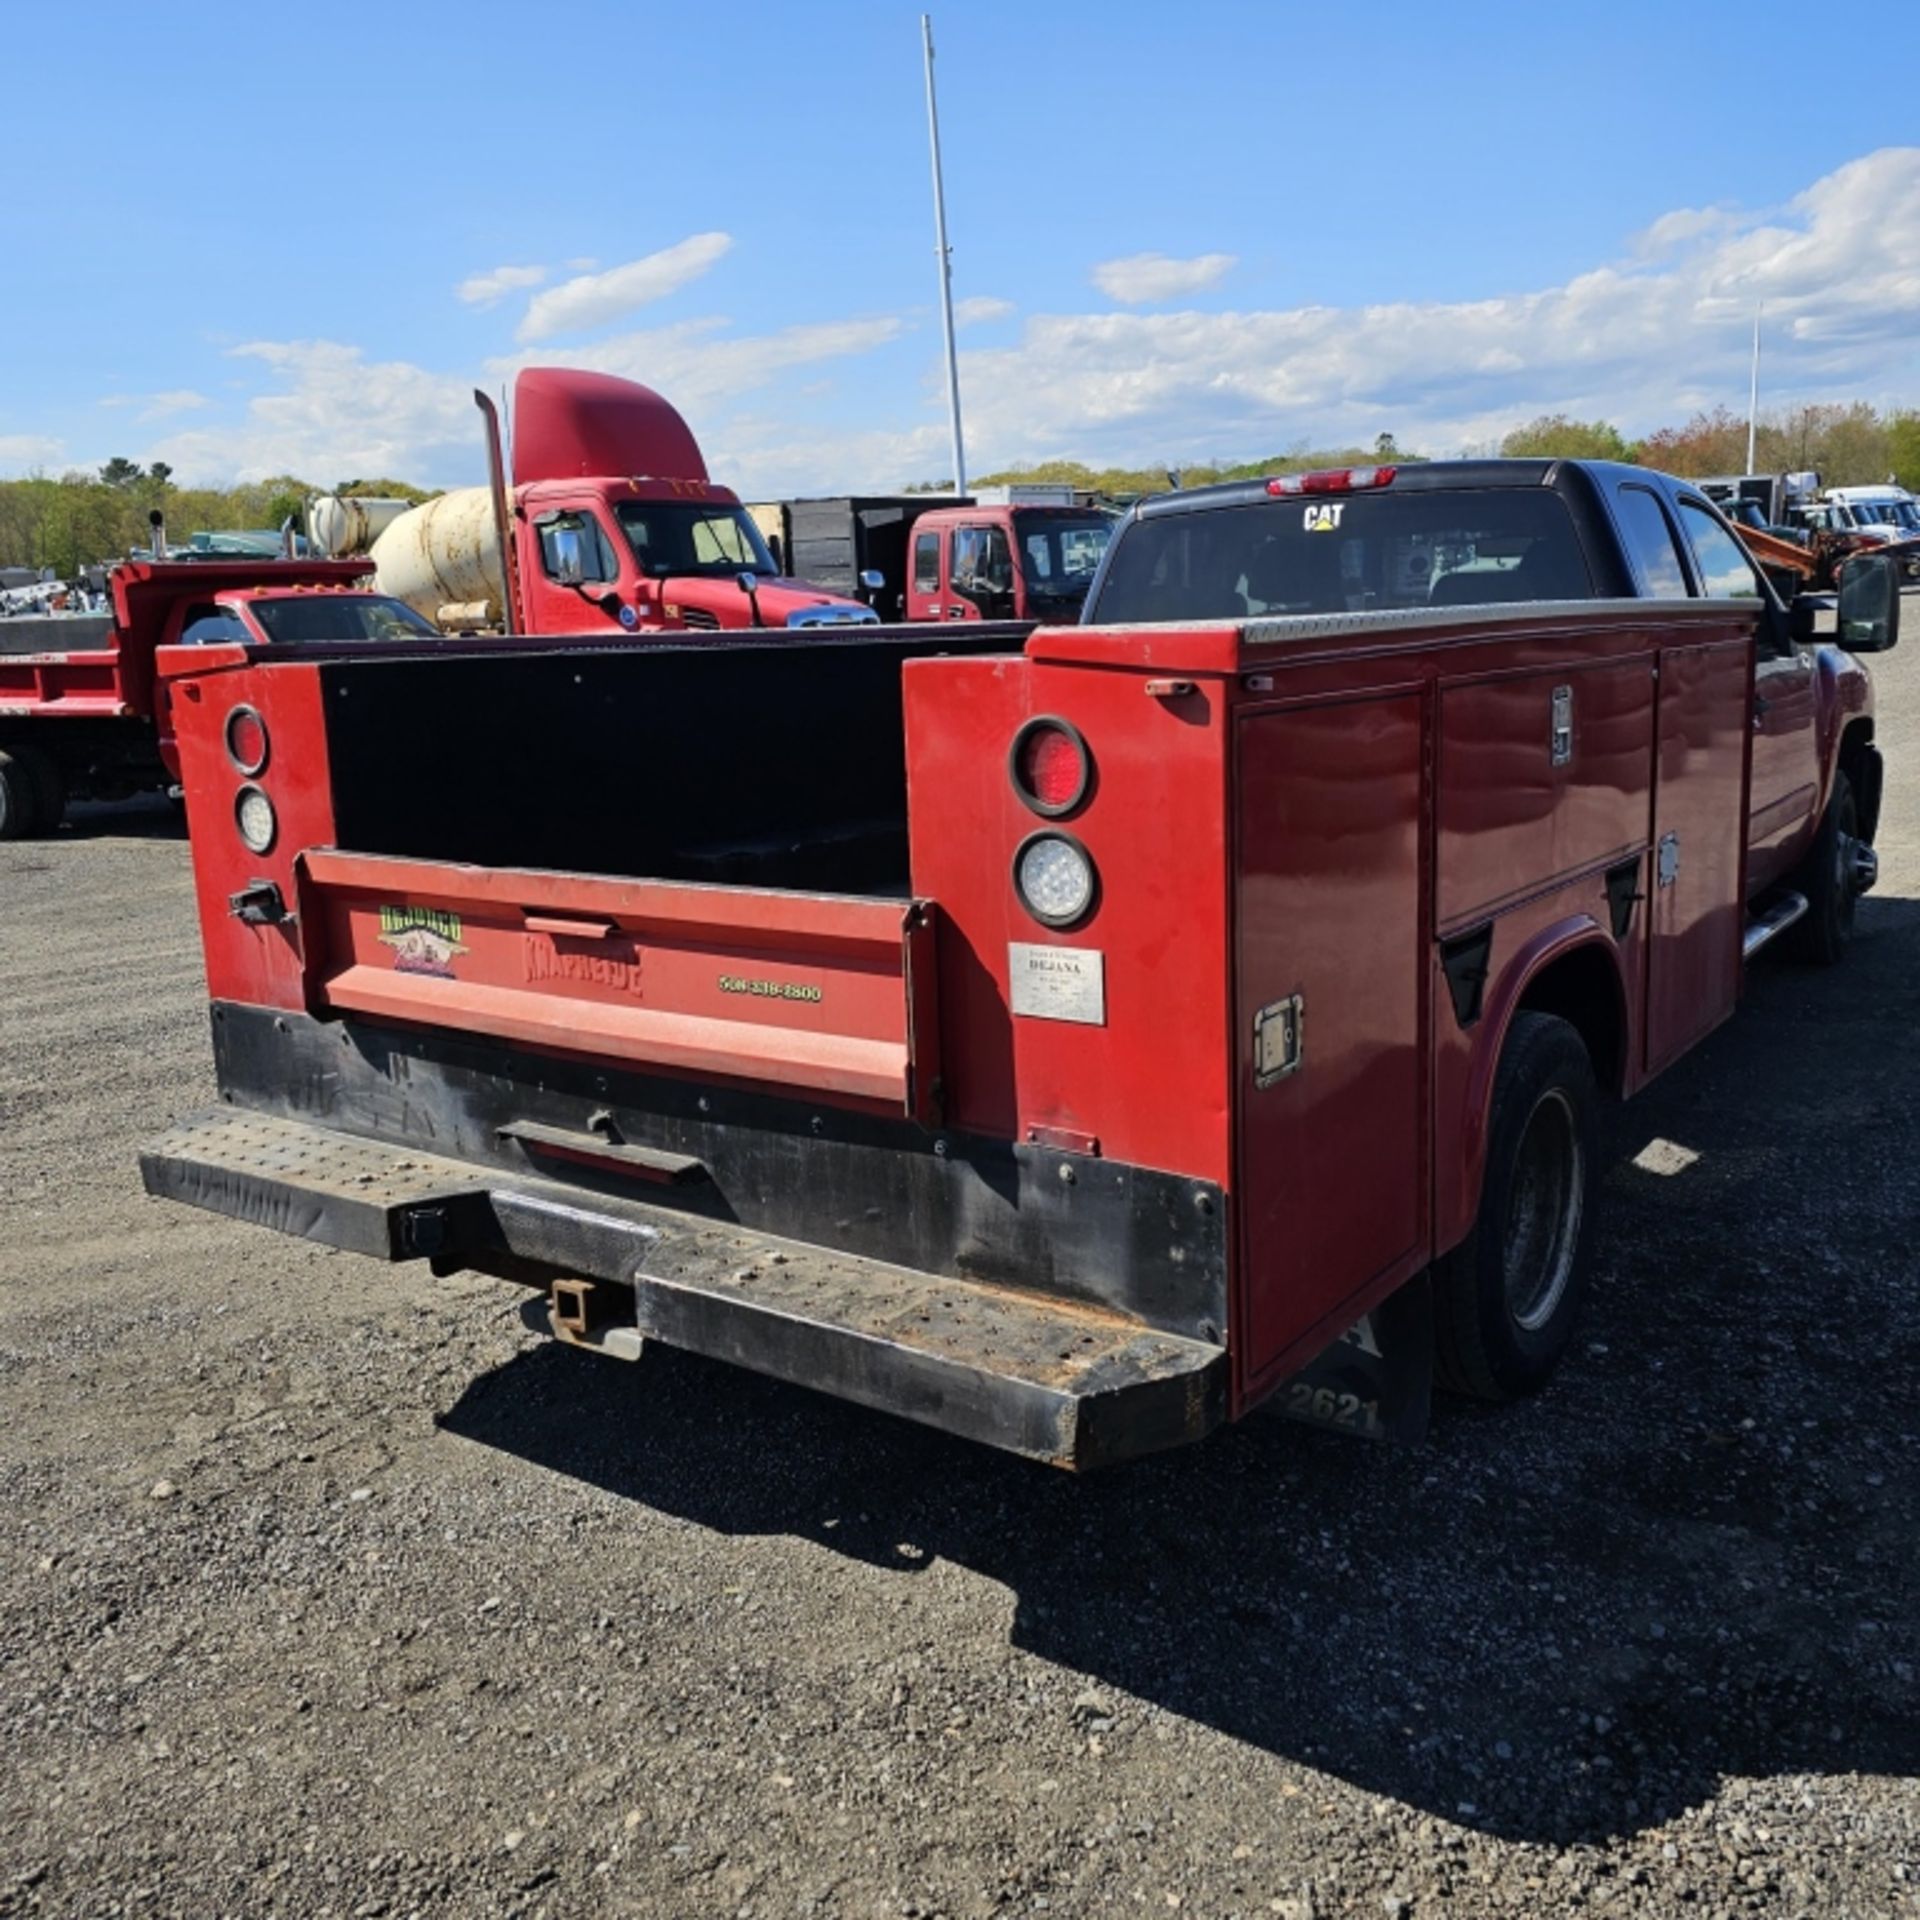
<point>759,763</point>
<point>835,541</point>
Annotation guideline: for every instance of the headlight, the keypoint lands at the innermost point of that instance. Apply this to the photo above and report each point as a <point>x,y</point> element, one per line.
<point>833,617</point>
<point>253,815</point>
<point>1054,877</point>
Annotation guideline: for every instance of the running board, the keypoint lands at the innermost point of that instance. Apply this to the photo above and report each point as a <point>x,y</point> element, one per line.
<point>1775,921</point>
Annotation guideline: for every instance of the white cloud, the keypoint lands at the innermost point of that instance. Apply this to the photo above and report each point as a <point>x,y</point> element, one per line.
<point>158,406</point>
<point>1643,340</point>
<point>978,308</point>
<point>1640,341</point>
<point>335,415</point>
<point>1143,277</point>
<point>699,367</point>
<point>592,299</point>
<point>28,452</point>
<point>490,288</point>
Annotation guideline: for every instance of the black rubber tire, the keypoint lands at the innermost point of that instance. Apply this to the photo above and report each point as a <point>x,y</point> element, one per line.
<point>1486,1345</point>
<point>1825,931</point>
<point>49,786</point>
<point>19,799</point>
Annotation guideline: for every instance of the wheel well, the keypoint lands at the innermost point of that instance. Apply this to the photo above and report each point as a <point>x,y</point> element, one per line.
<point>1583,989</point>
<point>1862,768</point>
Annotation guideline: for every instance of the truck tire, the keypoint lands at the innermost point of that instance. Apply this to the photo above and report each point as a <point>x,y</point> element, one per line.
<point>49,785</point>
<point>19,799</point>
<point>1506,1299</point>
<point>1825,930</point>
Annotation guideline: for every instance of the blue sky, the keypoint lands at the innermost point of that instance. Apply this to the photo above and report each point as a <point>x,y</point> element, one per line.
<point>238,241</point>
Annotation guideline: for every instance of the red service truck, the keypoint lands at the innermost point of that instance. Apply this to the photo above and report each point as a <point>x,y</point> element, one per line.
<point>1071,1044</point>
<point>83,714</point>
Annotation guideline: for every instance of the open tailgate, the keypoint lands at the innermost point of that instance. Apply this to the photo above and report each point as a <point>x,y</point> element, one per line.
<point>817,993</point>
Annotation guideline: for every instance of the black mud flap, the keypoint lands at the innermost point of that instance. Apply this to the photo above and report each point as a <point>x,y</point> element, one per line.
<point>1376,1380</point>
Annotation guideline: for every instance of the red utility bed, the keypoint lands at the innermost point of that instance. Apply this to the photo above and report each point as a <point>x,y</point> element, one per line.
<point>701,983</point>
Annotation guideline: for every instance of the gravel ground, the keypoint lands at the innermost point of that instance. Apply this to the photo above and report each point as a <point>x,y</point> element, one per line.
<point>327,1588</point>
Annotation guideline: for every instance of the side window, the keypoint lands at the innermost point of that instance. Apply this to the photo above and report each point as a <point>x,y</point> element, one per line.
<point>1650,540</point>
<point>926,563</point>
<point>207,623</point>
<point>1039,557</point>
<point>969,543</point>
<point>573,547</point>
<point>1725,571</point>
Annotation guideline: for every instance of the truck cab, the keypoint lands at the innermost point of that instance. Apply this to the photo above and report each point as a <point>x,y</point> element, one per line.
<point>635,554</point>
<point>1004,563</point>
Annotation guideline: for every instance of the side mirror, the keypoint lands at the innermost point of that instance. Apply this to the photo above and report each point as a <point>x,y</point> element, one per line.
<point>747,581</point>
<point>1870,603</point>
<point>872,579</point>
<point>569,556</point>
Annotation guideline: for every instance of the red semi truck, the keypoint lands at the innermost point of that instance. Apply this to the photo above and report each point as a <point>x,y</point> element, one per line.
<point>609,524</point>
<point>83,714</point>
<point>1069,1044</point>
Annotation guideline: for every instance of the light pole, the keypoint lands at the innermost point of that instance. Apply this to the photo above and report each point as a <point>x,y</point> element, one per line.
<point>946,266</point>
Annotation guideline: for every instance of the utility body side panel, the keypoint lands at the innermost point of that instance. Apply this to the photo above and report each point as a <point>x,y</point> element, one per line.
<point>1331,1168</point>
<point>1694,887</point>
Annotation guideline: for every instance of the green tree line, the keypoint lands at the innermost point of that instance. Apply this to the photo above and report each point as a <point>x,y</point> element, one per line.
<point>87,519</point>
<point>1854,445</point>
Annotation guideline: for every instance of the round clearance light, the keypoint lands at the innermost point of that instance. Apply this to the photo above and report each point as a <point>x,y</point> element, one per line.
<point>247,742</point>
<point>1050,766</point>
<point>253,815</point>
<point>1054,878</point>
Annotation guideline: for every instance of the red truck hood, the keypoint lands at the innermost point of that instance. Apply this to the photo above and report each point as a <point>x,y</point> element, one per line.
<point>778,599</point>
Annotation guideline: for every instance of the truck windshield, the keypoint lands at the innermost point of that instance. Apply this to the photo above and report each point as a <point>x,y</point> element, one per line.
<point>1058,554</point>
<point>1884,513</point>
<point>1348,553</point>
<point>327,616</point>
<point>679,536</point>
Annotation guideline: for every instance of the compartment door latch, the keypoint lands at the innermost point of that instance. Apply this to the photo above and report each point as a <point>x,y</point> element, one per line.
<point>1279,1039</point>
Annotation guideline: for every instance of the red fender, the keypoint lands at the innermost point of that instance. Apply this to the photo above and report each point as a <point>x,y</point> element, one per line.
<point>1458,1177</point>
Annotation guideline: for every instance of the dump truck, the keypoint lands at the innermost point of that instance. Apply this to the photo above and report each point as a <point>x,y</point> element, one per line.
<point>1070,1037</point>
<point>83,714</point>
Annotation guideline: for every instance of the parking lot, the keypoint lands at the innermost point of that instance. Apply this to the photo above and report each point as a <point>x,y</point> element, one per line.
<point>327,1587</point>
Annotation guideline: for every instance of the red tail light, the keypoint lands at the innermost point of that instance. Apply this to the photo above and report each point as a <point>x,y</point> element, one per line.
<point>1333,480</point>
<point>1050,767</point>
<point>246,740</point>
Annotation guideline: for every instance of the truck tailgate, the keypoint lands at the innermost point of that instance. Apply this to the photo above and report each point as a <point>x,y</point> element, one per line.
<point>830,994</point>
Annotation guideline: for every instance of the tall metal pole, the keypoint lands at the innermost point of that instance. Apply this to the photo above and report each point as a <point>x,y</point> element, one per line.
<point>1753,388</point>
<point>946,266</point>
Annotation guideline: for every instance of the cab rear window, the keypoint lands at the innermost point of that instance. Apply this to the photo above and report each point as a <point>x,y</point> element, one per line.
<point>1346,553</point>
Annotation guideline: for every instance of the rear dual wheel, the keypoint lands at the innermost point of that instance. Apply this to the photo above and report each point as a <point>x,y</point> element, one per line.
<point>1507,1298</point>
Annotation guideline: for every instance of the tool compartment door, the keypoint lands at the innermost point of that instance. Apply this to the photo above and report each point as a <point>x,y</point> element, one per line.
<point>814,993</point>
<point>1331,1161</point>
<point>1695,892</point>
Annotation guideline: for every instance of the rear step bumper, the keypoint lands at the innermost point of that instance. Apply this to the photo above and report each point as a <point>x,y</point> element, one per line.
<point>1051,1379</point>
